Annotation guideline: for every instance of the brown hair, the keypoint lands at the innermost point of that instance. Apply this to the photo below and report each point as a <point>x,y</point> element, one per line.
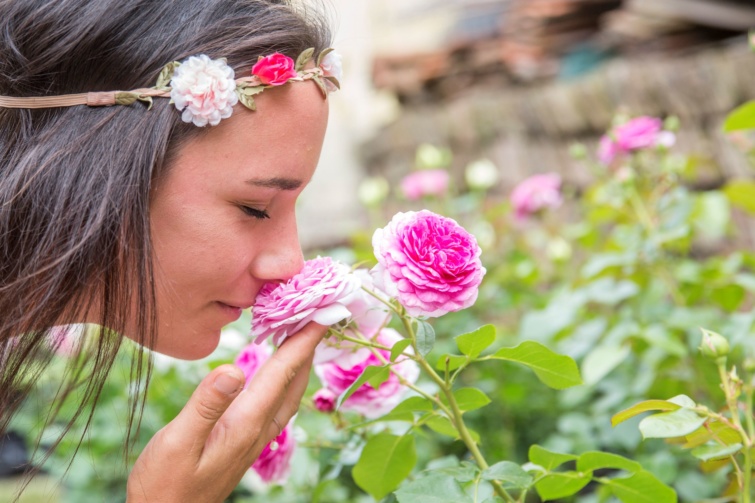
<point>75,182</point>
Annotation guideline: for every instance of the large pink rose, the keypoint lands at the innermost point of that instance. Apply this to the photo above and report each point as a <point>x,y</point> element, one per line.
<point>339,374</point>
<point>252,357</point>
<point>428,262</point>
<point>321,293</point>
<point>275,69</point>
<point>273,465</point>
<point>635,134</point>
<point>536,193</point>
<point>423,183</point>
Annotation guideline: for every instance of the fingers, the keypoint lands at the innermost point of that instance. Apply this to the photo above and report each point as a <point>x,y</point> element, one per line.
<point>281,380</point>
<point>207,404</point>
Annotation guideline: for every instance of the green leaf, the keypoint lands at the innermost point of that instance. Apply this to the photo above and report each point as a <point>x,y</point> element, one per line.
<point>474,343</point>
<point>305,56</point>
<point>560,485</point>
<point>548,459</point>
<point>742,117</point>
<point>385,462</point>
<point>641,407</point>
<point>672,424</point>
<point>425,335</point>
<point>642,487</point>
<point>601,361</point>
<point>442,425</point>
<point>252,90</point>
<point>373,374</point>
<point>741,193</point>
<point>414,404</point>
<point>321,85</point>
<point>554,370</point>
<point>436,488</point>
<point>399,348</point>
<point>454,362</point>
<point>506,471</point>
<point>594,460</point>
<point>715,451</point>
<point>469,399</point>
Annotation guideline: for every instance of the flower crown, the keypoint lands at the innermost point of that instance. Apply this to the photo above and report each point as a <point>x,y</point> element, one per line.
<point>205,90</point>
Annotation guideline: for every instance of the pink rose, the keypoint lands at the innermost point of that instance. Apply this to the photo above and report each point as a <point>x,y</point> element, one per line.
<point>273,465</point>
<point>536,193</point>
<point>275,69</point>
<point>340,373</point>
<point>325,400</point>
<point>428,262</point>
<point>319,293</point>
<point>66,339</point>
<point>426,182</point>
<point>635,134</point>
<point>251,358</point>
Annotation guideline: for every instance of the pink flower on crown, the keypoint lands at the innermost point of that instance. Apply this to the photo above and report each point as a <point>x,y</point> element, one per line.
<point>204,89</point>
<point>635,134</point>
<point>321,293</point>
<point>428,262</point>
<point>275,69</point>
<point>332,66</point>
<point>426,182</point>
<point>339,374</point>
<point>536,193</point>
<point>273,466</point>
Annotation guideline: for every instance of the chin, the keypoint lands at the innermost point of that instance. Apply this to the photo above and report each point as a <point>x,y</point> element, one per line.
<point>183,346</point>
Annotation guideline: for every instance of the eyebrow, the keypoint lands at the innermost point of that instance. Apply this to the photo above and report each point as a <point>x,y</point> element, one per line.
<point>276,183</point>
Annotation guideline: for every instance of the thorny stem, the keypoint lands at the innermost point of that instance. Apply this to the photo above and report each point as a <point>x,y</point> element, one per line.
<point>455,415</point>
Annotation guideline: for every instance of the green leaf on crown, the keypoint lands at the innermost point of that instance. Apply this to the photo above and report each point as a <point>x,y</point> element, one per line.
<point>166,74</point>
<point>129,98</point>
<point>322,55</point>
<point>334,81</point>
<point>303,58</point>
<point>385,462</point>
<point>246,100</point>
<point>474,343</point>
<point>321,85</point>
<point>554,370</point>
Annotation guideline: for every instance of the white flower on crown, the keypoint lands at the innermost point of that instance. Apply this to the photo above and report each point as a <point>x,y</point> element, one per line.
<point>332,66</point>
<point>204,90</point>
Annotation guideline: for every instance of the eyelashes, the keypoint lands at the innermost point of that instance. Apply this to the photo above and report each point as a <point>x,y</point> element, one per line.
<point>255,213</point>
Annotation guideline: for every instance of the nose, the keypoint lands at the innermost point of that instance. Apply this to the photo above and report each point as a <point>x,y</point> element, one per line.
<point>280,256</point>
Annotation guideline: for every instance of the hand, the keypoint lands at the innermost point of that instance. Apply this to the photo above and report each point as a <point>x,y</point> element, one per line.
<point>202,454</point>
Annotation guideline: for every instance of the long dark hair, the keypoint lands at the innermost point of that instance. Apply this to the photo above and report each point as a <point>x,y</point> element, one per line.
<point>75,182</point>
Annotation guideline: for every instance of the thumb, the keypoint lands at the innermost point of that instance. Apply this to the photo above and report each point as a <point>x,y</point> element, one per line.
<point>207,404</point>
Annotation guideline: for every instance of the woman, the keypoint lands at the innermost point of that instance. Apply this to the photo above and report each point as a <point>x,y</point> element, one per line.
<point>141,222</point>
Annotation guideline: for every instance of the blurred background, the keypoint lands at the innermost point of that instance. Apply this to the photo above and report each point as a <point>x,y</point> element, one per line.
<point>517,82</point>
<point>492,92</point>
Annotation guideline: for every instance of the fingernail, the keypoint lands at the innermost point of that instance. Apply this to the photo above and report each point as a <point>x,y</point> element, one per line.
<point>227,384</point>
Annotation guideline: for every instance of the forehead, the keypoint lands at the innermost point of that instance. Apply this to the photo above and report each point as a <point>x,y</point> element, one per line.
<point>280,140</point>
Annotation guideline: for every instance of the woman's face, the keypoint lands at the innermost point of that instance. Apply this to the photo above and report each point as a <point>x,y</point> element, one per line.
<point>222,217</point>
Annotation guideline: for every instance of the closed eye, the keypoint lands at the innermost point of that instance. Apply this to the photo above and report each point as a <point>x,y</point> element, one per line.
<point>254,212</point>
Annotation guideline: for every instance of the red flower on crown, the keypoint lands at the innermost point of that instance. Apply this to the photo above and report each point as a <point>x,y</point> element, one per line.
<point>275,69</point>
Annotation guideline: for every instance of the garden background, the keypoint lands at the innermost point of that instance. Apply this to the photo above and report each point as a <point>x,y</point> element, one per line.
<point>641,251</point>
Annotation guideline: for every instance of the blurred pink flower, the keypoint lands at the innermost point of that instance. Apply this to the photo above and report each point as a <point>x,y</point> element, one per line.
<point>340,373</point>
<point>65,340</point>
<point>536,193</point>
<point>426,182</point>
<point>273,466</point>
<point>319,293</point>
<point>428,262</point>
<point>252,357</point>
<point>635,134</point>
<point>325,400</point>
